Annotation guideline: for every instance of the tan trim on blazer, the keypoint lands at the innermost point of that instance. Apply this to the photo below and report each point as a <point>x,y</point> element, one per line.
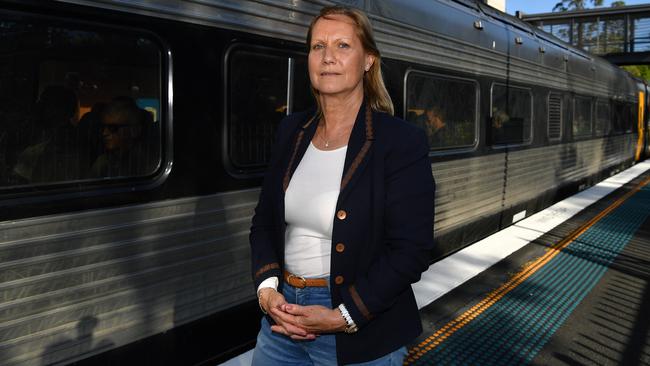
<point>266,268</point>
<point>359,303</point>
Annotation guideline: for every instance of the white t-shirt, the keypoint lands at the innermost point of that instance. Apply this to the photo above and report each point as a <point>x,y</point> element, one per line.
<point>310,204</point>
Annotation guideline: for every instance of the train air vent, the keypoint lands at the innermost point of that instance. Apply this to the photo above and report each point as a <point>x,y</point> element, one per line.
<point>554,116</point>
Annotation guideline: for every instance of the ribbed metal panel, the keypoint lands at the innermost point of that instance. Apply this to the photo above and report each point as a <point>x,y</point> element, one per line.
<point>438,50</point>
<point>467,190</point>
<point>535,171</point>
<point>119,275</point>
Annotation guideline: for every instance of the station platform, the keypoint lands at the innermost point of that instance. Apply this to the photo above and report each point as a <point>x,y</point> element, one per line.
<point>578,294</point>
<point>569,285</point>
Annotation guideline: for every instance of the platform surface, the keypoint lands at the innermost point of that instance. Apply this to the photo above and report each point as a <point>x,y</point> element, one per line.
<point>576,295</point>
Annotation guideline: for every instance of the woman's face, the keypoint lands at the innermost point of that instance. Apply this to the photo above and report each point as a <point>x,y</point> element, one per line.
<point>337,60</point>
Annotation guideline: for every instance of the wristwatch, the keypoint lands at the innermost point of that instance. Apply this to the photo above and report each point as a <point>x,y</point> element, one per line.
<point>351,326</point>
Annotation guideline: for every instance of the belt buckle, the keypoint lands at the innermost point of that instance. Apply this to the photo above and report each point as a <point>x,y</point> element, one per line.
<point>302,279</point>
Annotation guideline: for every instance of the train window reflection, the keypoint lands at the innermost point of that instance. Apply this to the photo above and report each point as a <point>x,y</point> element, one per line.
<point>623,117</point>
<point>302,98</point>
<point>258,101</point>
<point>258,91</point>
<point>603,118</point>
<point>77,104</point>
<point>445,108</point>
<point>581,117</point>
<point>511,115</point>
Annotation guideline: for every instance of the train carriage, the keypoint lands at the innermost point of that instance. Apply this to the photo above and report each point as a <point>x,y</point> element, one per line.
<point>145,257</point>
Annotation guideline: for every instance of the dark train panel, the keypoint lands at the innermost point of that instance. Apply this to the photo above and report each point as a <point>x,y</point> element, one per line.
<point>97,254</point>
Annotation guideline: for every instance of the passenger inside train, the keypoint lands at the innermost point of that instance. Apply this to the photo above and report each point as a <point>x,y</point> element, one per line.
<point>125,129</point>
<point>53,153</point>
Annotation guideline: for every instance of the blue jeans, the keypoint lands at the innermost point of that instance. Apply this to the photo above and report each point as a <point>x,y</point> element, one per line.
<point>274,349</point>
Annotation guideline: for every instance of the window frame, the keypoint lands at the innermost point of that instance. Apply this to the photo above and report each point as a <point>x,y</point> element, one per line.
<point>591,114</point>
<point>532,116</point>
<point>633,110</point>
<point>447,150</point>
<point>94,186</point>
<point>608,103</point>
<point>290,54</point>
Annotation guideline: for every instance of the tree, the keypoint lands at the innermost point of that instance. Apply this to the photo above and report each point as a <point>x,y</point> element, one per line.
<point>614,32</point>
<point>568,5</point>
<point>640,71</point>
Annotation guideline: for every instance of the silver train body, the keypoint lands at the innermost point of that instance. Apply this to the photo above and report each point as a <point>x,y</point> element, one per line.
<point>82,281</point>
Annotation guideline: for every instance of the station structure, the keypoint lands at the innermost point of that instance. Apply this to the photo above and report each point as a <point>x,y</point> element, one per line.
<point>619,34</point>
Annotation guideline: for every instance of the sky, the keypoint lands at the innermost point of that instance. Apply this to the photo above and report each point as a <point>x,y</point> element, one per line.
<point>545,6</point>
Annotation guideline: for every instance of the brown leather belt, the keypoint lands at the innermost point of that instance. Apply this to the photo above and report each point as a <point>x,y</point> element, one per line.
<point>301,282</point>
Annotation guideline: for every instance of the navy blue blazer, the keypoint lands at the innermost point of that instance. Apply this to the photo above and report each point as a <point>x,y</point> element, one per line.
<point>384,221</point>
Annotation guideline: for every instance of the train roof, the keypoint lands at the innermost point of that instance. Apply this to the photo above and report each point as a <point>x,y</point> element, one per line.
<point>462,35</point>
<point>534,44</point>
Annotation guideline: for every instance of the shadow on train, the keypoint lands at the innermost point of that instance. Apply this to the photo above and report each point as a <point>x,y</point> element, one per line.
<point>83,342</point>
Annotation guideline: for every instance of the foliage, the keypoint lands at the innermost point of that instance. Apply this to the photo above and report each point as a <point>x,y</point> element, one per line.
<point>568,5</point>
<point>640,71</point>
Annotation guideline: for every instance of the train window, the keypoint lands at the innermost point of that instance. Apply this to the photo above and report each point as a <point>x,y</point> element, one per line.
<point>302,99</point>
<point>617,117</point>
<point>634,121</point>
<point>259,97</point>
<point>77,103</point>
<point>511,115</point>
<point>603,118</point>
<point>258,101</point>
<point>445,108</point>
<point>581,117</point>
<point>633,112</point>
<point>623,117</point>
<point>554,116</point>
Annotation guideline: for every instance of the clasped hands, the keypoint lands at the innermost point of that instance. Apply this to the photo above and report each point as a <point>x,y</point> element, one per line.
<point>300,322</point>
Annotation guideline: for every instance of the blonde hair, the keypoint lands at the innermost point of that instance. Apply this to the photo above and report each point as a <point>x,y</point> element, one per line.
<point>374,89</point>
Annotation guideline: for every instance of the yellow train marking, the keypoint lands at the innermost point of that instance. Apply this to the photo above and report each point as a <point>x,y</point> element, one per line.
<point>640,127</point>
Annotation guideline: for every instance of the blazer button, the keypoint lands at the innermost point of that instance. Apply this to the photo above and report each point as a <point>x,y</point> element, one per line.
<point>338,280</point>
<point>341,214</point>
<point>340,247</point>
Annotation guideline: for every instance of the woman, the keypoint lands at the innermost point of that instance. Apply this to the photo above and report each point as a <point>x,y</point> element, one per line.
<point>345,219</point>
